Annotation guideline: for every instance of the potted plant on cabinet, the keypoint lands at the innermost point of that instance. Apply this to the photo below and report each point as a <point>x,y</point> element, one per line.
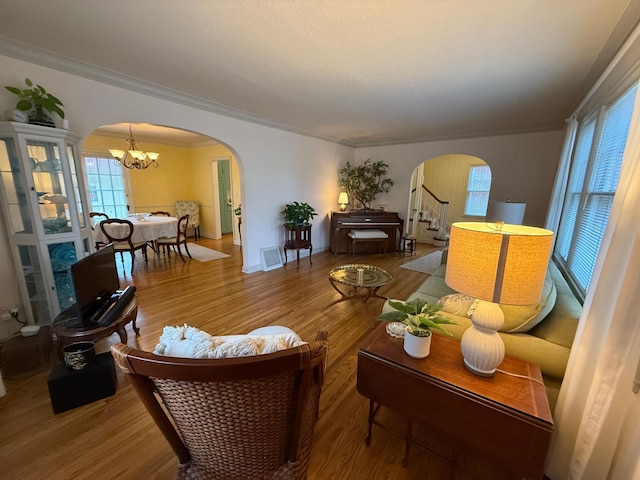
<point>419,317</point>
<point>37,101</point>
<point>297,214</point>
<point>364,182</point>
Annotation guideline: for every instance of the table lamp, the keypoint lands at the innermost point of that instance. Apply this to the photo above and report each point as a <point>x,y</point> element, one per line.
<point>343,199</point>
<point>507,212</point>
<point>494,263</point>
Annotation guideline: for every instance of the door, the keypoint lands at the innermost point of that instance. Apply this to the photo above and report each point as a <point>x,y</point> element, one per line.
<point>224,194</point>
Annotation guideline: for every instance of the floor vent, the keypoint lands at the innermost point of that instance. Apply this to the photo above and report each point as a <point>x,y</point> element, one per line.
<point>270,258</point>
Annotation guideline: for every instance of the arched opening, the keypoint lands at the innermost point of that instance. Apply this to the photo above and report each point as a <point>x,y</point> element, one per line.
<point>186,165</point>
<point>447,189</point>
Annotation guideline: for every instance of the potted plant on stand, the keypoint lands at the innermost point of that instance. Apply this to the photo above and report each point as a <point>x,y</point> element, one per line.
<point>297,214</point>
<point>38,102</point>
<point>419,317</point>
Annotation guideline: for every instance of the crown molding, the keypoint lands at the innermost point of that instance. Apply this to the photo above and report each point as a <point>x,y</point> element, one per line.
<point>46,58</point>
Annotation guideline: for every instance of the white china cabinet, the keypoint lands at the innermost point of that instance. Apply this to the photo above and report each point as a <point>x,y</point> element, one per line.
<point>42,194</point>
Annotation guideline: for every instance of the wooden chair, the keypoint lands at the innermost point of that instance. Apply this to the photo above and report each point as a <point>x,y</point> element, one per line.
<point>179,239</point>
<point>160,213</point>
<point>122,240</point>
<point>100,215</point>
<point>233,418</point>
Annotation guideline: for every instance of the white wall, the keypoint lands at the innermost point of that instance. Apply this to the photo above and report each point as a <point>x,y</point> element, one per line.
<point>523,167</point>
<point>279,167</point>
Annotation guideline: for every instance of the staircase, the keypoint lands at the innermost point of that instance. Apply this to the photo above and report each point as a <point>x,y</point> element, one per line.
<point>429,216</point>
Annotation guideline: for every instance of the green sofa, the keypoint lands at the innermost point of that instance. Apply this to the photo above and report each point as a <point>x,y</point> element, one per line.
<point>541,334</point>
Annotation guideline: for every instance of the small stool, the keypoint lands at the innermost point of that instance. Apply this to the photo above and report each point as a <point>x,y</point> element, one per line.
<point>70,388</point>
<point>408,241</point>
<point>368,235</point>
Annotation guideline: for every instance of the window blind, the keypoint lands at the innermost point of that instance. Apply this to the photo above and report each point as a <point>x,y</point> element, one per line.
<point>592,186</point>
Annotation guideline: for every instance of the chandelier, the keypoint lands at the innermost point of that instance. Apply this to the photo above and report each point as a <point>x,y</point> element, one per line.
<point>134,158</point>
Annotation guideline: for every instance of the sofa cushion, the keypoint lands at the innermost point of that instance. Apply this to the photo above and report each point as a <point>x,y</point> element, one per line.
<point>190,342</point>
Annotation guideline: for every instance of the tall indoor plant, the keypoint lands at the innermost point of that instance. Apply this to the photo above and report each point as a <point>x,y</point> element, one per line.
<point>420,317</point>
<point>364,182</point>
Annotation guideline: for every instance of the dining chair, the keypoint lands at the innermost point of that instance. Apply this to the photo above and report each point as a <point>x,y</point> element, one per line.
<point>122,240</point>
<point>192,208</point>
<point>179,239</point>
<point>160,213</point>
<point>233,418</point>
<point>99,215</point>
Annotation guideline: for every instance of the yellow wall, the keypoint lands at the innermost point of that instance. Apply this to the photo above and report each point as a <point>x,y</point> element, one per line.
<point>183,173</point>
<point>446,176</point>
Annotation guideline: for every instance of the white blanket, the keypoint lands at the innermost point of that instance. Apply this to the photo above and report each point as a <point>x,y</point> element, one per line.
<point>189,342</point>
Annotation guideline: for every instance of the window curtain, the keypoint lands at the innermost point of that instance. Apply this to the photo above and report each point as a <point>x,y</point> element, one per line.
<point>597,421</point>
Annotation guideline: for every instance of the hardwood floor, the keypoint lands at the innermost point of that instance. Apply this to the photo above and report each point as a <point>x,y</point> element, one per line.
<point>116,438</point>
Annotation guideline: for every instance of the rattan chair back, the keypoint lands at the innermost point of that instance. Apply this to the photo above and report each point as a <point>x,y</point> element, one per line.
<point>239,418</point>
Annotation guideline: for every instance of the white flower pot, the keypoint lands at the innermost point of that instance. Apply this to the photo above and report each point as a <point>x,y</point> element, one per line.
<point>417,347</point>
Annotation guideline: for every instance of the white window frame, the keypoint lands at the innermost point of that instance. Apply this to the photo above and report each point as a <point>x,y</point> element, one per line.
<point>471,191</point>
<point>584,213</point>
<point>126,182</point>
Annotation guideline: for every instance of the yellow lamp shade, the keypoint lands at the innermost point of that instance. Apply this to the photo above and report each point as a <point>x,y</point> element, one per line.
<point>503,266</point>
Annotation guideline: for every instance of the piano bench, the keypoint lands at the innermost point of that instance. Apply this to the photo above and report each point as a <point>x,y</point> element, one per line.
<point>368,235</point>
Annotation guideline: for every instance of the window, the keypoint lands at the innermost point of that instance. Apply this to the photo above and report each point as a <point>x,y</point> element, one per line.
<point>478,187</point>
<point>105,180</point>
<point>593,180</point>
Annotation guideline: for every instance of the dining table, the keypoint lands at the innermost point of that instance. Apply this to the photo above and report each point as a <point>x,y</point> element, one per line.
<point>145,229</point>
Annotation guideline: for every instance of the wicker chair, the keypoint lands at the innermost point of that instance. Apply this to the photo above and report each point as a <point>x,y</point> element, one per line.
<point>235,418</point>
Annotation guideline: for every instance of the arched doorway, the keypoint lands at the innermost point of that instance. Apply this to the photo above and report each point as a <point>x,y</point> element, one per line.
<point>183,172</point>
<point>447,189</point>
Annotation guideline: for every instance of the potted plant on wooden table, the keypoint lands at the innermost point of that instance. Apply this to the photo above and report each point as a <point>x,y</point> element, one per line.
<point>419,317</point>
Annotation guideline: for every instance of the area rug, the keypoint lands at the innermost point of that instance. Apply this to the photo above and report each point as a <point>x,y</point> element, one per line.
<point>426,264</point>
<point>204,254</point>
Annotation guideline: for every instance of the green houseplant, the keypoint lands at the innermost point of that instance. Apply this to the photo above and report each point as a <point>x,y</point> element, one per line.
<point>420,317</point>
<point>297,213</point>
<point>38,102</point>
<point>364,182</point>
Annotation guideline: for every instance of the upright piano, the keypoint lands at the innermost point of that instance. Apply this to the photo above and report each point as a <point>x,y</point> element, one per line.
<point>342,222</point>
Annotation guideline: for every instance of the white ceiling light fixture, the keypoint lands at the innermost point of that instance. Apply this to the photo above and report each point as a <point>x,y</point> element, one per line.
<point>133,158</point>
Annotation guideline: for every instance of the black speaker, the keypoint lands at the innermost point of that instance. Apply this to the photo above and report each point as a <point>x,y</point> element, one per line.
<point>72,388</point>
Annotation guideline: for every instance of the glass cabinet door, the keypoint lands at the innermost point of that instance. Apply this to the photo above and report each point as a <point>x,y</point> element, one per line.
<point>15,188</point>
<point>48,179</point>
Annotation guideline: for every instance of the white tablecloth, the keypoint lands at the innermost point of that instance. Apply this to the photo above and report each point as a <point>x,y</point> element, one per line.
<point>147,230</point>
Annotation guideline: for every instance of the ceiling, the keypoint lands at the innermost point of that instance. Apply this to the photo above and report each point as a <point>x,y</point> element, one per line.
<point>358,72</point>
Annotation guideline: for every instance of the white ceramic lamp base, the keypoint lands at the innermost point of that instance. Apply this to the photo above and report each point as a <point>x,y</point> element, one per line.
<point>482,347</point>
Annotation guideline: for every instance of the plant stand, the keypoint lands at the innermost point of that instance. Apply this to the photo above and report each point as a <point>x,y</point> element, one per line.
<point>297,238</point>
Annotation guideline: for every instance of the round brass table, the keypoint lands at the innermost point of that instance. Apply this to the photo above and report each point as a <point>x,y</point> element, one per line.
<point>363,281</point>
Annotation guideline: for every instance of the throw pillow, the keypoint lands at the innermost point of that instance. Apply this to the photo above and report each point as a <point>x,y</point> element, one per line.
<point>522,318</point>
<point>456,303</point>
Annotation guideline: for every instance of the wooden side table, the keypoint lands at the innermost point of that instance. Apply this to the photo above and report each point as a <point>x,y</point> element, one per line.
<point>505,417</point>
<point>65,334</point>
<point>297,238</point>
